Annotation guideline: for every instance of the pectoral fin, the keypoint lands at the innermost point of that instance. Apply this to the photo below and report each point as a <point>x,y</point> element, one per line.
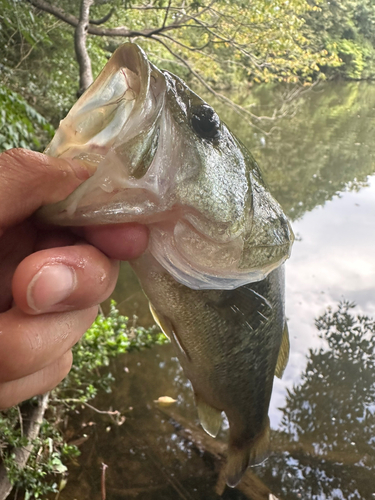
<point>169,330</point>
<point>210,418</point>
<point>161,322</point>
<point>283,357</point>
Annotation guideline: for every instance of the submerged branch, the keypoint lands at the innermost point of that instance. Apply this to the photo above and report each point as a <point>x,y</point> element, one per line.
<point>251,485</point>
<point>66,401</point>
<point>103,490</point>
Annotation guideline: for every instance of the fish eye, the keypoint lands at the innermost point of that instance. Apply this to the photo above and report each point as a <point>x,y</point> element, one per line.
<point>205,122</point>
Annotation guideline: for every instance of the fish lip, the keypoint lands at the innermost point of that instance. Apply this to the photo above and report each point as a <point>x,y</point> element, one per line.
<point>140,204</point>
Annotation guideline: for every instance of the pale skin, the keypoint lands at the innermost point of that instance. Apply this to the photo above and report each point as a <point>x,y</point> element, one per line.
<point>51,280</point>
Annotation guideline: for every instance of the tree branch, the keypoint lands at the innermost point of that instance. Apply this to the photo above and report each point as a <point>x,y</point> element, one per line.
<point>103,19</point>
<point>166,14</point>
<point>55,11</point>
<point>94,30</point>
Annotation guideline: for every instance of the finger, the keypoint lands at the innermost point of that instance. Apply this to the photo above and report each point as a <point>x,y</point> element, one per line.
<point>64,279</point>
<point>30,343</point>
<point>34,179</point>
<point>12,393</point>
<point>52,238</point>
<point>16,243</point>
<point>121,241</point>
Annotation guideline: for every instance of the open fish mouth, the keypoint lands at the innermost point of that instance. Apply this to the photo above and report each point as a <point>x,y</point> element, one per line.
<point>115,122</point>
<point>162,157</point>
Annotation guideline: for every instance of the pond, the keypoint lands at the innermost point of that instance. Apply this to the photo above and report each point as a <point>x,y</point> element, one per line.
<point>319,162</point>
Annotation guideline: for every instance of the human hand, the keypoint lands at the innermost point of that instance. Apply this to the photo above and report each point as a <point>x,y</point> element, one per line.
<point>50,281</point>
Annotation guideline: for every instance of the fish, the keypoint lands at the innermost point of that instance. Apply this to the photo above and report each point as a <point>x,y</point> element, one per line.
<point>214,268</point>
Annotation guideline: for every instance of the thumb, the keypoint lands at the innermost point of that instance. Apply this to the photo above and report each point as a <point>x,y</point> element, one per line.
<point>29,180</point>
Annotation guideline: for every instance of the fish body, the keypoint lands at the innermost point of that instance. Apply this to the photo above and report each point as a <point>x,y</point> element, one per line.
<point>230,344</point>
<point>213,268</point>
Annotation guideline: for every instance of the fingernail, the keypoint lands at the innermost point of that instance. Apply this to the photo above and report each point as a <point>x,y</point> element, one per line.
<point>51,285</point>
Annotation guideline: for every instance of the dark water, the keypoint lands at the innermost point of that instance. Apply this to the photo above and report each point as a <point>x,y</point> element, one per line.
<point>319,163</point>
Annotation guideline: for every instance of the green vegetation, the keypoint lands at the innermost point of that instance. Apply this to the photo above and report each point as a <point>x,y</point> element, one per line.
<point>346,29</point>
<point>44,473</point>
<point>220,44</point>
<point>20,125</point>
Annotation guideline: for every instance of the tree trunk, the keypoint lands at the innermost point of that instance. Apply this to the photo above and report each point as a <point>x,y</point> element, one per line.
<point>33,420</point>
<point>83,58</point>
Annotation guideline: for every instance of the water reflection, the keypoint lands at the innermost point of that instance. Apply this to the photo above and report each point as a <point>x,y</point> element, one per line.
<point>323,449</point>
<point>324,148</point>
<point>317,164</point>
<point>327,433</point>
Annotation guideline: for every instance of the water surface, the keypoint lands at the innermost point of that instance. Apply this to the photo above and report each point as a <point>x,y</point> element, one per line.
<point>320,165</point>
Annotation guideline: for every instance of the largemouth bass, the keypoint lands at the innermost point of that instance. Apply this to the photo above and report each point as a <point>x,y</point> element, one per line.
<point>213,269</point>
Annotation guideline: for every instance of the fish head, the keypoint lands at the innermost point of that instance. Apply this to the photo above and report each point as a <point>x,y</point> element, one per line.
<point>163,157</point>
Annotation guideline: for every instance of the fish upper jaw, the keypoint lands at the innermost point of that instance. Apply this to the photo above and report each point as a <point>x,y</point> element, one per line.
<point>124,98</point>
<point>114,129</point>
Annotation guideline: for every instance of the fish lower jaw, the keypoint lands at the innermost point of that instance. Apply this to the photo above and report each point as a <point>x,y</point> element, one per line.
<point>203,264</point>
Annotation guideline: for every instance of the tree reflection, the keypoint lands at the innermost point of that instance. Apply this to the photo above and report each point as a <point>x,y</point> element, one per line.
<point>328,424</point>
<point>320,148</point>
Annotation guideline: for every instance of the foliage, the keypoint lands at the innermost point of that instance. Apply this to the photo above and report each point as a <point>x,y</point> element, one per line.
<point>45,469</point>
<point>44,473</point>
<point>346,29</point>
<point>37,59</point>
<point>221,43</point>
<point>20,124</point>
<point>227,43</point>
<point>109,336</point>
